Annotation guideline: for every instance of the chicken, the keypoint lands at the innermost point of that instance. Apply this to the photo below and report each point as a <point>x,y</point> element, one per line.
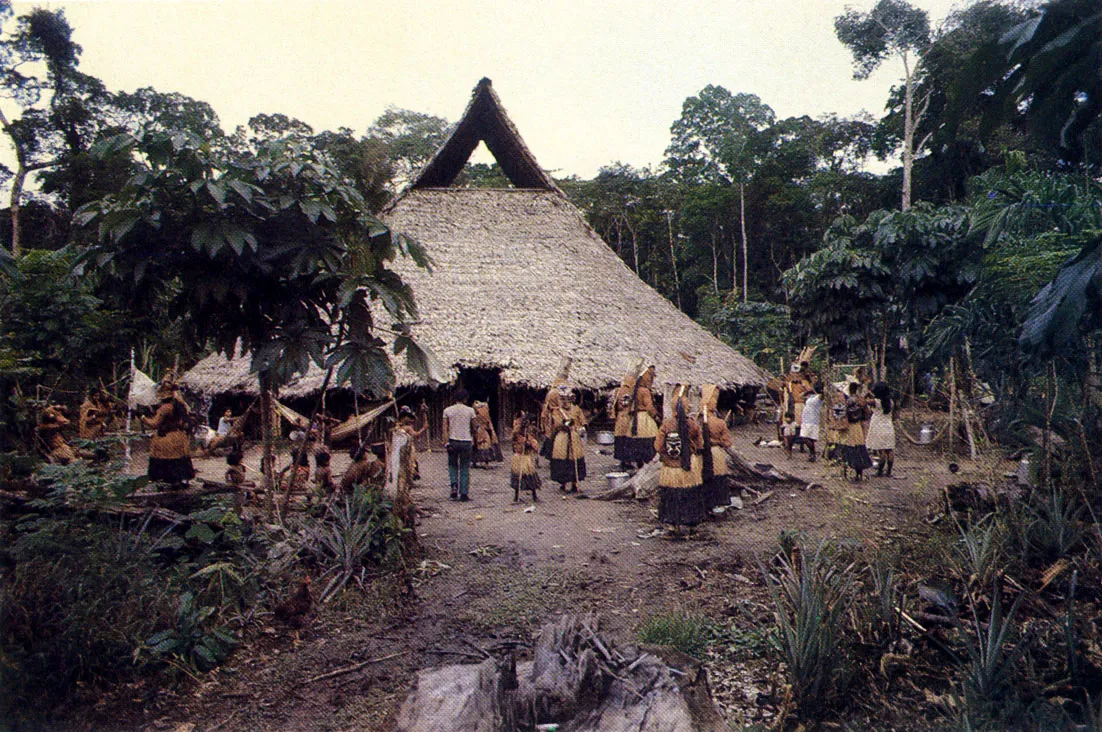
<point>294,609</point>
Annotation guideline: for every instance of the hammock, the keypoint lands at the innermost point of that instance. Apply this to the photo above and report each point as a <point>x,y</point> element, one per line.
<point>350,427</point>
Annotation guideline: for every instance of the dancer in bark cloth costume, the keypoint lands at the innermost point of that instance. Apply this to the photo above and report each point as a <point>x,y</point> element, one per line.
<point>717,438</point>
<point>849,421</point>
<point>679,445</point>
<point>567,423</point>
<point>522,467</point>
<point>487,448</point>
<point>170,446</point>
<point>636,423</point>
<point>50,424</point>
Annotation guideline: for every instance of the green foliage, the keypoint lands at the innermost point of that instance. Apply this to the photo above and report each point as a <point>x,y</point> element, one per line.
<point>677,629</point>
<point>889,275</point>
<point>760,330</point>
<point>811,596</point>
<point>891,27</point>
<point>279,254</point>
<point>979,551</point>
<point>359,531</point>
<point>52,321</point>
<point>991,657</point>
<point>191,640</point>
<point>80,601</point>
<point>1049,526</point>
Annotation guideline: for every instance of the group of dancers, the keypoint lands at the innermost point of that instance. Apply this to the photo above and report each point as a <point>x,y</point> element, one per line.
<point>693,482</point>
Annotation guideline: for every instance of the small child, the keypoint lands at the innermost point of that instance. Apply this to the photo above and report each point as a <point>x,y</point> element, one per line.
<point>235,476</point>
<point>323,476</point>
<point>790,431</point>
<point>522,472</point>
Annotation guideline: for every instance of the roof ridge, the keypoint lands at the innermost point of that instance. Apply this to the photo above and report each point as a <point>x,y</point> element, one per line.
<point>484,120</point>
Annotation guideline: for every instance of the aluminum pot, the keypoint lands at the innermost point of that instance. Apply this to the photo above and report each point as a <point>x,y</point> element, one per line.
<point>604,437</point>
<point>926,434</point>
<point>616,481</point>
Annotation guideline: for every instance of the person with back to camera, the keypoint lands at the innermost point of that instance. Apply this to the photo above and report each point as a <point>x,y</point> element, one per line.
<point>881,436</point>
<point>459,428</point>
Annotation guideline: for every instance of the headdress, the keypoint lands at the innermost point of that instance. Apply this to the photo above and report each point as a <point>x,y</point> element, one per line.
<point>709,397</point>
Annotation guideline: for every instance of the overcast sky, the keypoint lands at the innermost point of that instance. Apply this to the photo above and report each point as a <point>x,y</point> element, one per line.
<point>587,82</point>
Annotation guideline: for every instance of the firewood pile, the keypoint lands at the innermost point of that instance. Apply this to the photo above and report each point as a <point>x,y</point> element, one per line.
<point>578,679</point>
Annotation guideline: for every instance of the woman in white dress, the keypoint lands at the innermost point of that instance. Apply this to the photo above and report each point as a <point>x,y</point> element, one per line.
<point>881,436</point>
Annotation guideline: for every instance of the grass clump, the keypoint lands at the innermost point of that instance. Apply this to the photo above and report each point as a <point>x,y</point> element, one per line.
<point>678,629</point>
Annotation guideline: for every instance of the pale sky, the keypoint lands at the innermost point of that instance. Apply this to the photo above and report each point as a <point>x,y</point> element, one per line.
<point>586,83</point>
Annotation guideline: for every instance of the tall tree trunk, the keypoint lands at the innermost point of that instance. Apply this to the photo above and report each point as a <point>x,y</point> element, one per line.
<point>715,264</point>
<point>908,132</point>
<point>745,258</point>
<point>16,200</point>
<point>673,259</point>
<point>635,250</point>
<point>267,436</point>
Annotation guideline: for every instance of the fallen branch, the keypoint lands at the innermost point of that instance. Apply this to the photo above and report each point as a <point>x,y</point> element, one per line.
<point>354,667</point>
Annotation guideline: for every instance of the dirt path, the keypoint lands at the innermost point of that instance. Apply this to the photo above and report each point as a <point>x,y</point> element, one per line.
<point>494,572</point>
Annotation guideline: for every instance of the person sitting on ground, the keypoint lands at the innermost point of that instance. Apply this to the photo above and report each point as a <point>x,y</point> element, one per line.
<point>236,477</point>
<point>366,470</point>
<point>50,425</point>
<point>323,476</point>
<point>92,423</point>
<point>295,477</point>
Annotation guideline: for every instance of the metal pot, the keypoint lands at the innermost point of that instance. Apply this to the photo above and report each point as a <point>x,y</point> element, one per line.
<point>926,434</point>
<point>604,437</point>
<point>616,481</point>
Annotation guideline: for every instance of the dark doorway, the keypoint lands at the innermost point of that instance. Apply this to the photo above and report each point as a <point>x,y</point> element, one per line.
<point>484,385</point>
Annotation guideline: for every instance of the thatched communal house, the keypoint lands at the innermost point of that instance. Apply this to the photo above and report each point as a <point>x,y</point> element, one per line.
<point>520,280</point>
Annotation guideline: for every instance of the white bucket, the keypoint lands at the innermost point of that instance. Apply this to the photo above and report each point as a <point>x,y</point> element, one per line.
<point>616,480</point>
<point>604,437</point>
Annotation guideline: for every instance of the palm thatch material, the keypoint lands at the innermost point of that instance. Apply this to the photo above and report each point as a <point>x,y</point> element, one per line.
<point>520,280</point>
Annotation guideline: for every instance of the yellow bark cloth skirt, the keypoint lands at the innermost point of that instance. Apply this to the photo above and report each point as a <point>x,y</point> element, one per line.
<point>717,489</point>
<point>522,473</point>
<point>681,494</point>
<point>567,457</point>
<point>629,448</point>
<point>170,457</point>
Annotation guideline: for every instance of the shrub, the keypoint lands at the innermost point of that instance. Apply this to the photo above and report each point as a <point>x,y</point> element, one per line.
<point>75,610</point>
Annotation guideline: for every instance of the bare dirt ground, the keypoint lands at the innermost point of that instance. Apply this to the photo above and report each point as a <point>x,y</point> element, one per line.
<point>494,572</point>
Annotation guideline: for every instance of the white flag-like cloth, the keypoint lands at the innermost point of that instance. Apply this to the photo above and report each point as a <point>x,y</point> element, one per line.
<point>143,391</point>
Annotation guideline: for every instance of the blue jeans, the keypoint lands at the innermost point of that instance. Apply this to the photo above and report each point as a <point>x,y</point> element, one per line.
<point>459,466</point>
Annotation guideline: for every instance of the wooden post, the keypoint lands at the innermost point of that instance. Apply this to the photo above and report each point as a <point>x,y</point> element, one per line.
<point>952,401</point>
<point>267,461</point>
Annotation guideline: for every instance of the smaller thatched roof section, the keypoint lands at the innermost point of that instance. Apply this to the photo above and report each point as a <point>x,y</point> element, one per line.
<point>484,120</point>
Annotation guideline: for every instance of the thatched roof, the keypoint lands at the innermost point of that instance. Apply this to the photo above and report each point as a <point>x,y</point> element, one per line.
<point>521,280</point>
<point>484,120</point>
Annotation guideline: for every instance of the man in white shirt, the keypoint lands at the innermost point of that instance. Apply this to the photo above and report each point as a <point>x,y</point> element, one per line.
<point>459,428</point>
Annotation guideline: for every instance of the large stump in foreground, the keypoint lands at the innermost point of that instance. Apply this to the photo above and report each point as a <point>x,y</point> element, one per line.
<point>578,679</point>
